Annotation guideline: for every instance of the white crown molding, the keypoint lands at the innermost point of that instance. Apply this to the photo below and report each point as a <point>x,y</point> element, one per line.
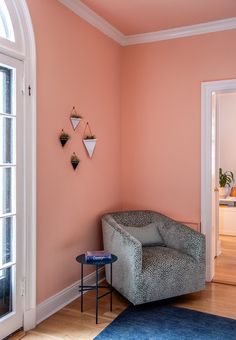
<point>124,40</point>
<point>64,297</point>
<point>181,32</point>
<point>94,19</point>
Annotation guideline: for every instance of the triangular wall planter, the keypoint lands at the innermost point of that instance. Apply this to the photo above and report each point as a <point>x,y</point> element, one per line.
<point>64,137</point>
<point>75,118</point>
<point>90,146</point>
<point>74,164</point>
<point>63,141</point>
<point>75,122</point>
<point>74,160</point>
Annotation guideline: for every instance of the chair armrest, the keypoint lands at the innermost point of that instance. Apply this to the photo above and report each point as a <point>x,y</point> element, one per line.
<point>119,242</point>
<point>180,237</point>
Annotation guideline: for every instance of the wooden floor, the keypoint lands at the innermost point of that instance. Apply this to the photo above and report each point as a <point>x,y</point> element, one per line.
<point>70,324</point>
<point>225,264</point>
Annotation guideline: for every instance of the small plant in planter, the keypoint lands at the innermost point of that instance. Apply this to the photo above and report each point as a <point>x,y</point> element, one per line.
<point>64,137</point>
<point>89,137</point>
<point>89,140</point>
<point>75,118</point>
<point>74,160</point>
<point>225,180</point>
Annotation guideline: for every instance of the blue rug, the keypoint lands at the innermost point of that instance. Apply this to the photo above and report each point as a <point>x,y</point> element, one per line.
<point>163,322</point>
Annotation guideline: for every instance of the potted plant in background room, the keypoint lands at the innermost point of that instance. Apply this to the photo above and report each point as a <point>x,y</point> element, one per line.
<point>225,180</point>
<point>89,141</point>
<point>75,118</point>
<point>64,137</point>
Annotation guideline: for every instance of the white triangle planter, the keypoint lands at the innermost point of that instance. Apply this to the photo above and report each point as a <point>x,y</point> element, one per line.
<point>90,146</point>
<point>75,122</point>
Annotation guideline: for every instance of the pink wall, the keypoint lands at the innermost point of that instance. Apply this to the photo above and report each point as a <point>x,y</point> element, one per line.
<point>154,107</point>
<point>161,101</point>
<point>76,65</point>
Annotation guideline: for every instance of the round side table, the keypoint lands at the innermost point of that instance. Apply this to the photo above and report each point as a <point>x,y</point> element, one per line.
<point>97,263</point>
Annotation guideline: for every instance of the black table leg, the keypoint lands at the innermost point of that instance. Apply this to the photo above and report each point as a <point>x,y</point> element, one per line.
<point>111,287</point>
<point>96,293</point>
<point>91,287</point>
<point>81,287</point>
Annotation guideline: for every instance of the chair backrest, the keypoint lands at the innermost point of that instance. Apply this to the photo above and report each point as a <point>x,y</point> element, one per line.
<point>134,218</point>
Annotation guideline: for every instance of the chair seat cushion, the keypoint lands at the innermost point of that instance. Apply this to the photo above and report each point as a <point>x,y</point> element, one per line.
<point>148,235</point>
<point>164,259</point>
<point>167,272</point>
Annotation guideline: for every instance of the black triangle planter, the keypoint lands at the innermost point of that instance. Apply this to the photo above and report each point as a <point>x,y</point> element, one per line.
<point>75,164</point>
<point>74,160</point>
<point>64,137</point>
<point>63,141</point>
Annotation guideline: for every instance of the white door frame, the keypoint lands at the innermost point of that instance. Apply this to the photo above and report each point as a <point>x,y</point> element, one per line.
<point>29,320</point>
<point>207,89</point>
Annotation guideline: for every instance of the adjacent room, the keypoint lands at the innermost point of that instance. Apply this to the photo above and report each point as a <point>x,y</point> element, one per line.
<point>226,217</point>
<point>113,224</point>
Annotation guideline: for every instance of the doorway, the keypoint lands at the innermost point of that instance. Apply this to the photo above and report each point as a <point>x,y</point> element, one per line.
<point>225,260</point>
<point>11,195</point>
<point>210,168</point>
<point>17,168</point>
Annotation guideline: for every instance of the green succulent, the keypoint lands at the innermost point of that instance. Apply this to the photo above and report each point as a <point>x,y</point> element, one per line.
<point>225,178</point>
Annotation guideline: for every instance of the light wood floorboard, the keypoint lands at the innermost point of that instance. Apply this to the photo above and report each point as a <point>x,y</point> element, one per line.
<point>225,264</point>
<point>70,324</point>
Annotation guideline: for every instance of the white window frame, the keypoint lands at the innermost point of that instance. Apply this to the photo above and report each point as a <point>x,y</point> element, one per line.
<point>24,49</point>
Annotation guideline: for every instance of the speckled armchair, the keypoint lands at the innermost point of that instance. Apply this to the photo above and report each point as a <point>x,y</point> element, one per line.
<point>151,270</point>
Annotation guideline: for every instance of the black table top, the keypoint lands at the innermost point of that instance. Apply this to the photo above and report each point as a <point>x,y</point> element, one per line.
<point>81,259</point>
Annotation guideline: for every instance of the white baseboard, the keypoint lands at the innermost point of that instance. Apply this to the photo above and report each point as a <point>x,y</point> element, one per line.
<point>29,319</point>
<point>218,248</point>
<point>63,298</point>
<point>209,274</point>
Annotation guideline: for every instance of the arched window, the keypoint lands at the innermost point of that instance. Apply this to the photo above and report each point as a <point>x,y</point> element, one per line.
<point>12,32</point>
<point>6,28</point>
<point>17,158</point>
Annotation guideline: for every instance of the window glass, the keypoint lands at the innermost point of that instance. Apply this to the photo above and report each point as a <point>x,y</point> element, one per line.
<point>6,291</point>
<point>6,28</point>
<point>5,90</point>
<point>6,238</point>
<point>7,140</point>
